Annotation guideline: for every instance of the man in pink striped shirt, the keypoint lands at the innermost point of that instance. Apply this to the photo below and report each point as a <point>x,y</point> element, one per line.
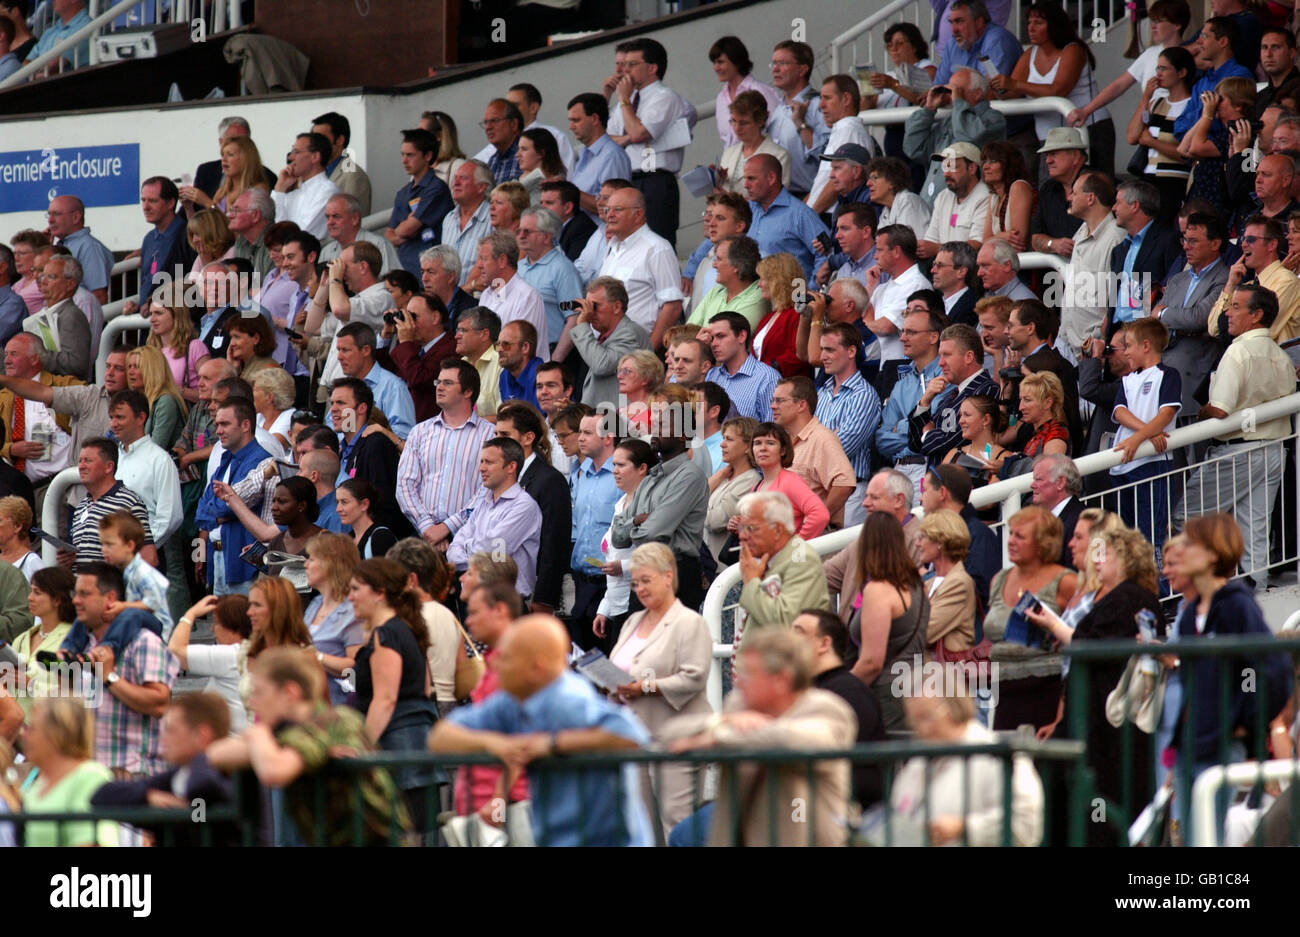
<point>437,476</point>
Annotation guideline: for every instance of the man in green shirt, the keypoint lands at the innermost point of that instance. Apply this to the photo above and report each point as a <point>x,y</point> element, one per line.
<point>737,289</point>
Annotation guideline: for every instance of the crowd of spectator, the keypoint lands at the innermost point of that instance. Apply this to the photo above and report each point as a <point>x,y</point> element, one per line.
<point>513,406</point>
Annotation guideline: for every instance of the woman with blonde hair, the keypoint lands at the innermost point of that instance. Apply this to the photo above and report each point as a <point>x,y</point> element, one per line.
<point>210,236</point>
<point>943,544</point>
<point>59,739</point>
<point>506,205</point>
<point>735,479</point>
<point>171,331</point>
<point>1030,677</point>
<point>275,612</point>
<point>335,631</point>
<point>15,536</point>
<point>450,155</point>
<point>273,393</point>
<point>241,170</point>
<point>774,336</point>
<point>668,651</point>
<point>147,371</point>
<point>640,374</point>
<point>1042,406</point>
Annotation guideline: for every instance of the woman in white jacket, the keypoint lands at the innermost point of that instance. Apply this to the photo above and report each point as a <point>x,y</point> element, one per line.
<point>964,794</point>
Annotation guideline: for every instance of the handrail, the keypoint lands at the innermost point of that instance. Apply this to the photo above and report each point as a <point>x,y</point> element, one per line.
<point>51,522</point>
<point>896,115</point>
<point>853,32</point>
<point>1205,822</point>
<point>56,51</point>
<point>111,330</point>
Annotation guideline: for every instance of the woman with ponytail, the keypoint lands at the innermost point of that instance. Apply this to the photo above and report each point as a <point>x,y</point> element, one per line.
<point>394,688</point>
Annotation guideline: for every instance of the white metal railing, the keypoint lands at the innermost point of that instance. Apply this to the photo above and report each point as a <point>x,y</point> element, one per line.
<point>1205,821</point>
<point>113,329</point>
<point>1008,495</point>
<point>218,17</point>
<point>52,511</point>
<point>881,16</point>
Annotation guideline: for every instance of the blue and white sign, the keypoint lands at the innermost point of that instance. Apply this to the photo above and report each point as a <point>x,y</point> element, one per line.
<point>98,175</point>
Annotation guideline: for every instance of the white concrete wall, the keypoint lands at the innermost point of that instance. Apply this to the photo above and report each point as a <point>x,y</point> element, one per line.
<point>174,139</point>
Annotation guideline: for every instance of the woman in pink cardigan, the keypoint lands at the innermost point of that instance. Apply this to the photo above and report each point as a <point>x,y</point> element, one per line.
<point>773,454</point>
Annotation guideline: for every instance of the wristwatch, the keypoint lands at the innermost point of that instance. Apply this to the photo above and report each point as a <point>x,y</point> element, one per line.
<point>112,677</point>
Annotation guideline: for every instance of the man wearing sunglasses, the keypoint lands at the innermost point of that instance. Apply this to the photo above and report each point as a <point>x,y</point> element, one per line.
<point>1259,263</point>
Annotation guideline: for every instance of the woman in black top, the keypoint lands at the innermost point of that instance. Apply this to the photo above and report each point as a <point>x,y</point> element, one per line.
<point>356,500</point>
<point>394,689</point>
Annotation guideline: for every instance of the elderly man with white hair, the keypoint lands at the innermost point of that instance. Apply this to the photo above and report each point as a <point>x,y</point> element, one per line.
<point>546,269</point>
<point>972,120</point>
<point>997,265</point>
<point>62,328</point>
<point>780,574</point>
<point>463,228</point>
<point>440,271</point>
<point>889,492</point>
<point>343,225</point>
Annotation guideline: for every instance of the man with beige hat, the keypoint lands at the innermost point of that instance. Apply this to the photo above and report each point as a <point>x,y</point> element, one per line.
<point>1065,152</point>
<point>961,209</point>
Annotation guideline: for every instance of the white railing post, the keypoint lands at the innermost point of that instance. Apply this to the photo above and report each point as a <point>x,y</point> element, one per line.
<point>111,330</point>
<point>87,33</point>
<point>1205,819</point>
<point>52,511</point>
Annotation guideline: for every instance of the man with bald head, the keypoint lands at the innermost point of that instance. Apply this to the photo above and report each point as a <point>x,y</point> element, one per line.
<point>645,263</point>
<point>780,221</point>
<point>1272,195</point>
<point>543,710</point>
<point>67,217</point>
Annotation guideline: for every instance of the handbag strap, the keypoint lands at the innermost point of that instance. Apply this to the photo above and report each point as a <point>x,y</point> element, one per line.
<point>473,649</point>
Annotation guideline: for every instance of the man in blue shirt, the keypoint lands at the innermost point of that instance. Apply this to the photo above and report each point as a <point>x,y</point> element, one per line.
<point>600,158</point>
<point>545,268</point>
<point>544,710</point>
<point>166,249</point>
<point>355,344</point>
<point>72,16</point>
<point>797,125</point>
<point>421,204</point>
<point>850,408</point>
<point>748,382</point>
<point>1143,259</point>
<point>780,222</point>
<point>67,217</point>
<point>1213,52</point>
<point>502,124</point>
<point>975,35</point>
<point>8,60</point>
<point>516,348</point>
<point>920,338</point>
<point>594,497</point>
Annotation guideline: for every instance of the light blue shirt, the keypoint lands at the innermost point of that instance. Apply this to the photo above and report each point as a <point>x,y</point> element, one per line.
<point>995,42</point>
<point>57,32</point>
<point>604,159</point>
<point>804,160</point>
<point>96,260</point>
<point>1126,302</point>
<point>1194,277</point>
<point>392,397</point>
<point>554,276</point>
<point>594,497</point>
<point>787,225</point>
<point>339,631</point>
<point>891,438</point>
<point>714,446</point>
<point>852,413</point>
<point>465,241</point>
<point>8,65</point>
<point>582,807</point>
<point>13,310</point>
<point>750,388</point>
<point>145,584</point>
<point>857,269</point>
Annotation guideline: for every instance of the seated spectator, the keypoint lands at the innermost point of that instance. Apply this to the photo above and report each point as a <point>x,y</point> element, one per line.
<point>96,467</point>
<point>357,501</point>
<point>726,214</point>
<point>889,181</point>
<point>933,426</point>
<point>1057,487</point>
<point>818,456</point>
<point>250,345</point>
<point>748,118</point>
<point>972,121</point>
<point>961,209</point>
<point>539,161</point>
<point>507,293</point>
<point>562,198</point>
<point>944,543</point>
<point>772,453</point>
<point>779,574</point>
<point>428,576</point>
<point>737,289</point>
<point>288,693</point>
<point>1030,685</point>
<point>341,168</point>
<point>211,240</point>
<point>67,216</point>
<point>855,244</point>
<point>603,336</point>
<point>273,391</point>
<point>329,618</point>
<point>517,354</point>
<point>60,743</point>
<point>963,799</point>
<point>1259,256</point>
<point>775,332</point>
<point>289,287</point>
<point>1011,194</point>
<point>147,372</point>
<point>223,663</point>
<point>890,492</point>
<point>667,649</point>
<point>252,217</point>
<point>774,705</point>
<point>37,459</point>
<point>62,328</point>
<point>192,723</point>
<point>947,488</point>
<point>640,375</point>
<point>502,515</point>
<point>954,271</point>
<point>24,279</point>
<point>469,222</point>
<point>1042,406</point>
<point>1065,154</point>
<point>171,331</point>
<point>303,188</point>
<point>50,602</point>
<point>997,265</point>
<point>531,662</point>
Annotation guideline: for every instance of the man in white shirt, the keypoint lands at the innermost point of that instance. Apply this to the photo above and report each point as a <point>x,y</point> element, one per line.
<point>961,209</point>
<point>343,224</point>
<point>653,124</point>
<point>645,263</point>
<point>1084,304</point>
<point>143,466</point>
<point>895,255</point>
<point>302,188</point>
<point>508,295</point>
<point>840,103</point>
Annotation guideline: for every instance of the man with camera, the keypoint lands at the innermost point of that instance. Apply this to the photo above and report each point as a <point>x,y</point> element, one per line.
<point>602,335</point>
<point>423,342</point>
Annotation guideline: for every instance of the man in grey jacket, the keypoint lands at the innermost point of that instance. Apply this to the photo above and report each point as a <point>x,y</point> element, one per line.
<point>62,327</point>
<point>972,120</point>
<point>602,335</point>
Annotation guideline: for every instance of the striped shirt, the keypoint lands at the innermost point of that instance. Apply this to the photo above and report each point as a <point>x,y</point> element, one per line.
<point>750,388</point>
<point>437,476</point>
<point>1160,122</point>
<point>853,414</point>
<point>125,738</point>
<point>85,520</point>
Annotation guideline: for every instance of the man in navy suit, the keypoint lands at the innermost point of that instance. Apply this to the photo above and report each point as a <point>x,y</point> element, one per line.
<point>1142,261</point>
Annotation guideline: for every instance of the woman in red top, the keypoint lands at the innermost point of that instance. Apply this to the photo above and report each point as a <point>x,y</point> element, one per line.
<point>775,332</point>
<point>1042,406</point>
<point>773,454</point>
